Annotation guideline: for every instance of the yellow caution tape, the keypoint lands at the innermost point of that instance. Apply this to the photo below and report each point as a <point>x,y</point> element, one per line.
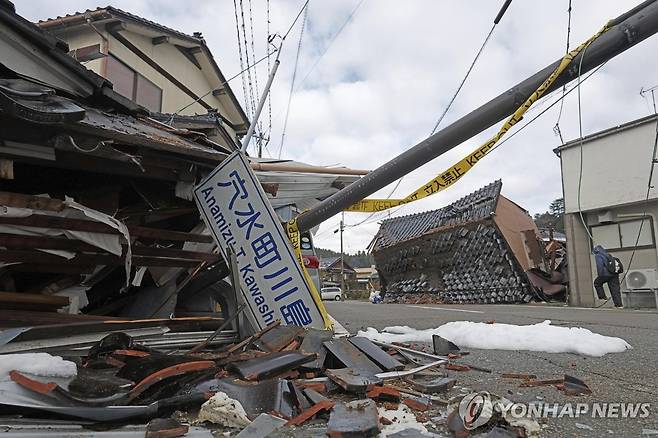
<point>454,173</point>
<point>293,235</point>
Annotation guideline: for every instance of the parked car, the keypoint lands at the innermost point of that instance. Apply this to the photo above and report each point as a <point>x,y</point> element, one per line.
<point>331,293</point>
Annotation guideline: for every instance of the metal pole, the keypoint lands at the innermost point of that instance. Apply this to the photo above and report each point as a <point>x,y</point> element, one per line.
<point>342,257</point>
<point>627,30</point>
<point>261,103</point>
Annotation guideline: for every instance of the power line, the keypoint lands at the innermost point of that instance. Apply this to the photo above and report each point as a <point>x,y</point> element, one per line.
<point>556,128</point>
<point>294,76</point>
<point>259,138</point>
<point>331,41</point>
<point>242,68</point>
<point>468,72</point>
<point>269,69</point>
<point>649,186</point>
<point>470,68</point>
<point>304,6</point>
<point>511,135</point>
<point>224,83</point>
<point>253,99</point>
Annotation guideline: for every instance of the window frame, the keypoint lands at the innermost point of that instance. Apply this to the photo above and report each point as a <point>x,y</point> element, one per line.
<point>135,81</point>
<point>648,221</point>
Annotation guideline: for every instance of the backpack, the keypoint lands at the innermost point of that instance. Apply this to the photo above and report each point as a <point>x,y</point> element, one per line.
<point>613,265</point>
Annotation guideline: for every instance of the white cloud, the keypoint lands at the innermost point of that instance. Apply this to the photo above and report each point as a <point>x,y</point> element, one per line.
<point>385,80</point>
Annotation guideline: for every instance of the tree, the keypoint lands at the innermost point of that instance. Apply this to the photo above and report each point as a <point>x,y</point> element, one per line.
<point>553,218</point>
<point>557,207</point>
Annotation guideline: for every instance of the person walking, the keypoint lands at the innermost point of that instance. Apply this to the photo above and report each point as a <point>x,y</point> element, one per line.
<point>608,269</point>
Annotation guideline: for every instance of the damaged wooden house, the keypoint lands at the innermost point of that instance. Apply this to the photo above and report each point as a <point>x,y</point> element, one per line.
<point>483,248</point>
<point>95,178</point>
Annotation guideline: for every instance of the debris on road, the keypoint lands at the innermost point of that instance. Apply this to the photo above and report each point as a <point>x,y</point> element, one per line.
<point>253,386</point>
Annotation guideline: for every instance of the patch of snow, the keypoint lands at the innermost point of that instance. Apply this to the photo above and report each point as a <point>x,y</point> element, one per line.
<point>402,418</point>
<point>38,364</point>
<point>535,337</point>
<point>222,409</point>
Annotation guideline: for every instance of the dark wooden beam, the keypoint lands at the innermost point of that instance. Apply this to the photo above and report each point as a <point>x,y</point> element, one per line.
<point>160,40</point>
<point>33,268</point>
<point>17,241</point>
<point>37,220</point>
<point>187,53</point>
<point>38,257</point>
<point>6,169</point>
<point>20,200</point>
<point>9,298</point>
<point>115,32</point>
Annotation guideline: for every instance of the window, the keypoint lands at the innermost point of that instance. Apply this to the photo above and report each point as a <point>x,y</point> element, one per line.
<point>624,234</point>
<point>132,85</point>
<point>629,233</point>
<point>607,235</point>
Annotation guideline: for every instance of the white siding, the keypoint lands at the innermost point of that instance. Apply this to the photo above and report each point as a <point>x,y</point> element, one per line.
<point>615,169</point>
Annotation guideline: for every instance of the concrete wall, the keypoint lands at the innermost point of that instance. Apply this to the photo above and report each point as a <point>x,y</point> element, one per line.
<point>582,266</point>
<point>615,169</point>
<point>581,289</point>
<point>614,177</point>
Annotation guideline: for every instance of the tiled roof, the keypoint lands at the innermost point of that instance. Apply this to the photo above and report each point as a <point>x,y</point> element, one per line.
<point>478,205</point>
<point>109,12</point>
<point>117,11</point>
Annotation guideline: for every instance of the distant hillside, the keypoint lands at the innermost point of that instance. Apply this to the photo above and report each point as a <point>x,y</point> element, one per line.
<point>359,260</point>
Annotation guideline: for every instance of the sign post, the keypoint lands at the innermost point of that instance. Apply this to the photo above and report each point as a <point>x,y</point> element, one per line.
<point>235,209</point>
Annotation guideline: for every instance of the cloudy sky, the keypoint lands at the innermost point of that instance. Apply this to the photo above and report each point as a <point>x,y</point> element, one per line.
<point>386,78</point>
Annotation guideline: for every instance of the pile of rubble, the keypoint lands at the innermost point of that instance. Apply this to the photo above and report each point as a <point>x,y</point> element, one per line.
<point>177,377</point>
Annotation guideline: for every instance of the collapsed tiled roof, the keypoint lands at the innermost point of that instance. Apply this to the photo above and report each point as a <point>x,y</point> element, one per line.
<point>476,206</point>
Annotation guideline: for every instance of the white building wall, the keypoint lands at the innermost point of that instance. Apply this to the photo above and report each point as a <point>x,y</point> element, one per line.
<point>166,55</point>
<point>615,169</point>
<point>615,172</point>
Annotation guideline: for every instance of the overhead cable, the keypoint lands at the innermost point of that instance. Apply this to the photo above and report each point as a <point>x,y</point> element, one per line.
<point>331,41</point>
<point>499,16</point>
<point>292,83</point>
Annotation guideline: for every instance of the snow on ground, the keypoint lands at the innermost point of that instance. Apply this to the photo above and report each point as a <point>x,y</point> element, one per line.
<point>39,364</point>
<point>536,337</point>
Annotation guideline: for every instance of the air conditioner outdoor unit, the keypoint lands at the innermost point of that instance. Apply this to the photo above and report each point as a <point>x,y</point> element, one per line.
<point>641,279</point>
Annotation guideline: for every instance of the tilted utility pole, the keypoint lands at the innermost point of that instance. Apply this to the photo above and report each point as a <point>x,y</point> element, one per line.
<point>627,30</point>
<point>342,255</point>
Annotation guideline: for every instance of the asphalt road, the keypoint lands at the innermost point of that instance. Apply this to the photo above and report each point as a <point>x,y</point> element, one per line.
<point>628,377</point>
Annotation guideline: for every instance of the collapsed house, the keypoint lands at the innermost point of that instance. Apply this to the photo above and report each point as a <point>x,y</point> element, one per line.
<point>482,248</point>
<point>96,210</point>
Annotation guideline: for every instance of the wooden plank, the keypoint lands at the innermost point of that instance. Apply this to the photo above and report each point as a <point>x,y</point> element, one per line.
<point>17,241</point>
<point>51,269</point>
<point>6,169</point>
<point>44,221</point>
<point>43,300</point>
<point>20,200</point>
<point>38,257</point>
